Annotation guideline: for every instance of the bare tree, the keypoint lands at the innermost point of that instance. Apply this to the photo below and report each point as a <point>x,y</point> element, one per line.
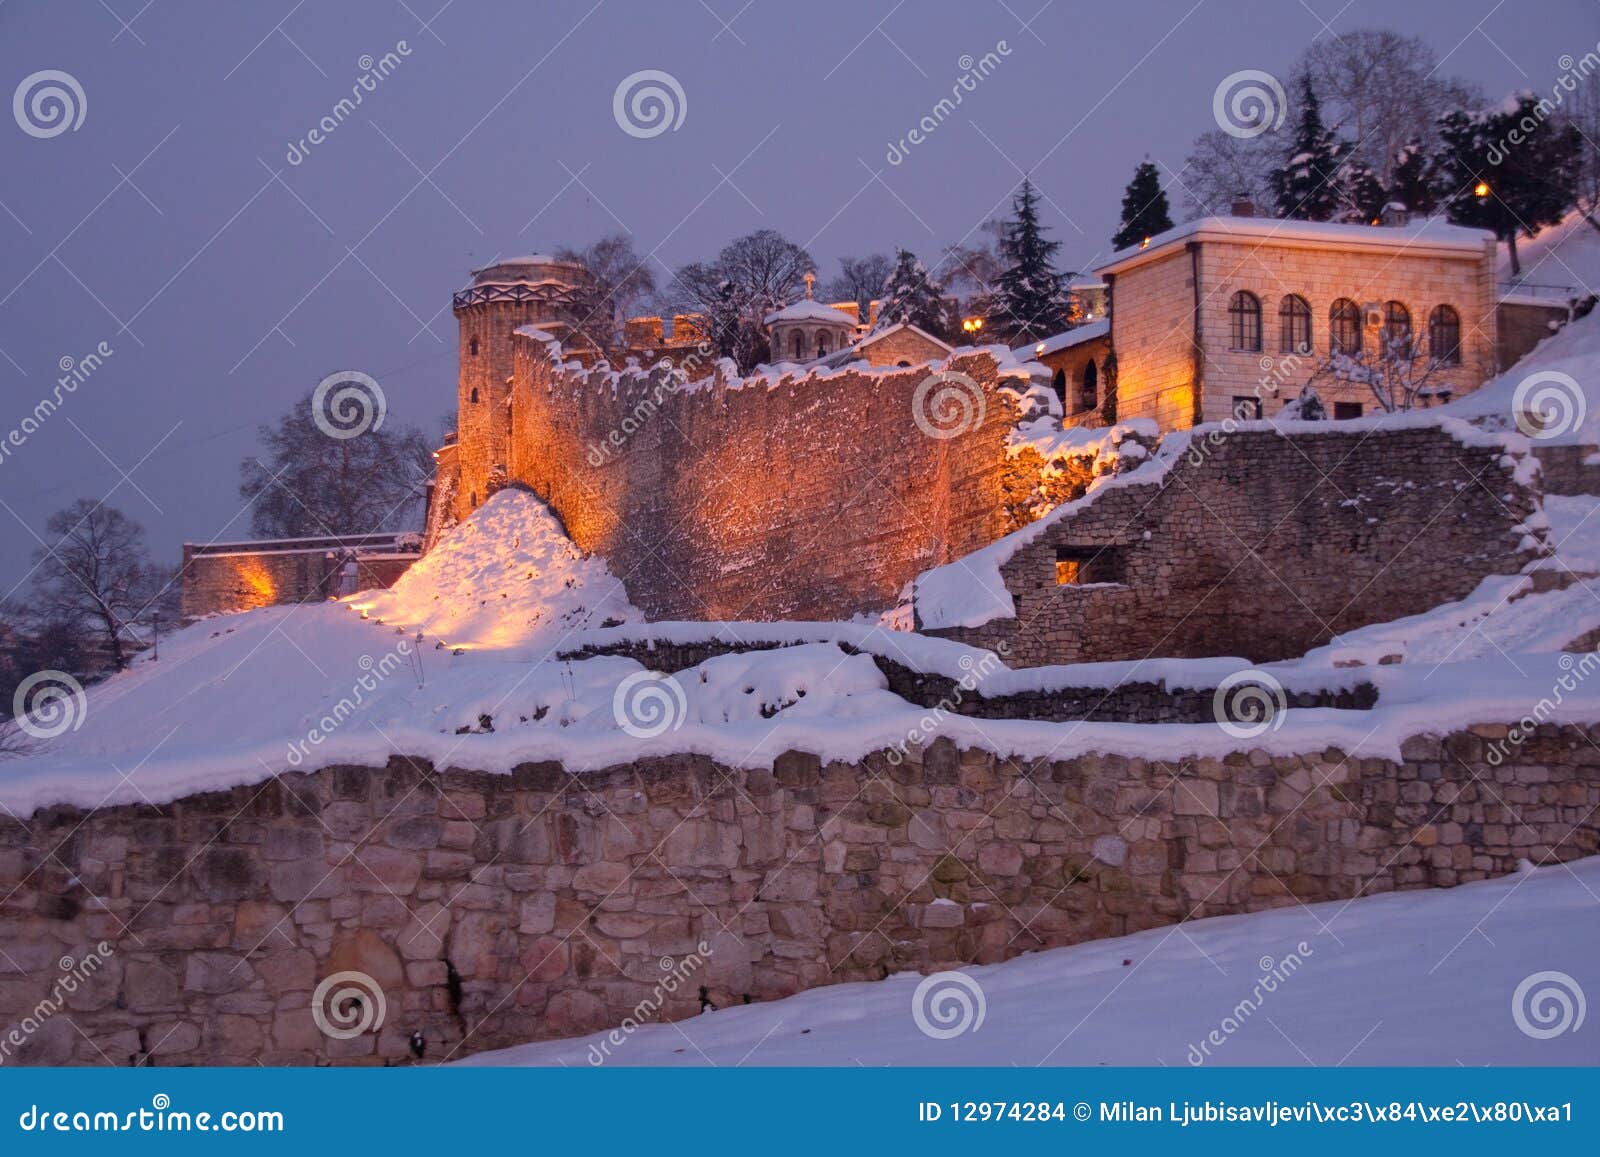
<point>1583,113</point>
<point>751,277</point>
<point>308,482</point>
<point>96,571</point>
<point>1401,376</point>
<point>860,280</point>
<point>1382,90</point>
<point>620,280</point>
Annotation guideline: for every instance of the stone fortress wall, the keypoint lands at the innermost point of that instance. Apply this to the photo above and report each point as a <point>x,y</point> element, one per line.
<point>816,497</point>
<point>496,909</point>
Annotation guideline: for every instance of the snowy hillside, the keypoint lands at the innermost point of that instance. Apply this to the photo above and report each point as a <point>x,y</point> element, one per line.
<point>1411,978</point>
<point>506,577</point>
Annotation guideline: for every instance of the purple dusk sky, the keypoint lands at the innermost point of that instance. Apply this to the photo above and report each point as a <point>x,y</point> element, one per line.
<point>171,225</point>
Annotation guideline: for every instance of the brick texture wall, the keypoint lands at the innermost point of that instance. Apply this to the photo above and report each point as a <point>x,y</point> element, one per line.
<point>1262,545</point>
<point>495,909</point>
<point>809,499</point>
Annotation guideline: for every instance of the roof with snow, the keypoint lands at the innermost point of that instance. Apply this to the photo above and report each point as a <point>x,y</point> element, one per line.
<point>1431,235</point>
<point>878,335</point>
<point>1066,339</point>
<point>808,309</point>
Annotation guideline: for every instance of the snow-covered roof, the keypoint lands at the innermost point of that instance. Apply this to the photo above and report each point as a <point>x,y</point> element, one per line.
<point>808,309</point>
<point>1430,235</point>
<point>880,334</point>
<point>1066,339</point>
<point>1562,261</point>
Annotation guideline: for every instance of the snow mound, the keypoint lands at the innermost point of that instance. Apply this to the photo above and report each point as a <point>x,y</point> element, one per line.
<point>1449,959</point>
<point>502,578</point>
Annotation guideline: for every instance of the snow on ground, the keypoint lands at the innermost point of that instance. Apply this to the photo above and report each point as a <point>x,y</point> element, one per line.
<point>506,577</point>
<point>1562,255</point>
<point>1409,978</point>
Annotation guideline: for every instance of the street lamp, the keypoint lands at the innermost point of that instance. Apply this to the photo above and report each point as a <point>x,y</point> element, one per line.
<point>971,324</point>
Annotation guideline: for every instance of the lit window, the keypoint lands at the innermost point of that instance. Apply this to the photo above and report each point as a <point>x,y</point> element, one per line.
<point>1396,330</point>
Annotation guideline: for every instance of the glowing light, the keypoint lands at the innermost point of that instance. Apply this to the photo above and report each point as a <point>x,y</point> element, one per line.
<point>1481,189</point>
<point>1145,244</point>
<point>972,324</point>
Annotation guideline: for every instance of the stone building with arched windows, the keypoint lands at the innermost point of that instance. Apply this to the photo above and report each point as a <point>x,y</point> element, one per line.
<point>1231,316</point>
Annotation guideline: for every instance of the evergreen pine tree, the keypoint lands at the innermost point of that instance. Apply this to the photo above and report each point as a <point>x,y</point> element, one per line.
<point>909,295</point>
<point>1415,181</point>
<point>1145,211</point>
<point>1305,187</point>
<point>1510,170</point>
<point>1361,195</point>
<point>1030,299</point>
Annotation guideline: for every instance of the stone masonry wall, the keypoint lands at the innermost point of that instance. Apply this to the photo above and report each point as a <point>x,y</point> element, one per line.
<point>816,498</point>
<point>495,909</point>
<point>1264,545</point>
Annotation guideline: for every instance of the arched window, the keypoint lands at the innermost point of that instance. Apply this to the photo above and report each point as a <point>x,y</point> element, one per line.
<point>1090,393</point>
<point>1396,330</point>
<point>799,345</point>
<point>474,394</point>
<point>1344,327</point>
<point>822,344</point>
<point>1244,322</point>
<point>1058,383</point>
<point>1294,325</point>
<point>472,348</point>
<point>1444,336</point>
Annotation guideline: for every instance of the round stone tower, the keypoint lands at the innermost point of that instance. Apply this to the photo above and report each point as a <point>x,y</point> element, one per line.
<point>513,292</point>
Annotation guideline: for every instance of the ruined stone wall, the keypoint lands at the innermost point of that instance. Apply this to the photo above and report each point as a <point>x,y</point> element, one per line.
<point>815,498</point>
<point>496,909</point>
<point>1523,326</point>
<point>1263,545</point>
<point>242,581</point>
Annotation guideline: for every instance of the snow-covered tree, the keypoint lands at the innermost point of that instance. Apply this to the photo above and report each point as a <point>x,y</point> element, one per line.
<point>1400,374</point>
<point>1305,186</point>
<point>1308,407</point>
<point>1030,298</point>
<point>1361,195</point>
<point>1145,211</point>
<point>1415,183</point>
<point>1513,169</point>
<point>909,295</point>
